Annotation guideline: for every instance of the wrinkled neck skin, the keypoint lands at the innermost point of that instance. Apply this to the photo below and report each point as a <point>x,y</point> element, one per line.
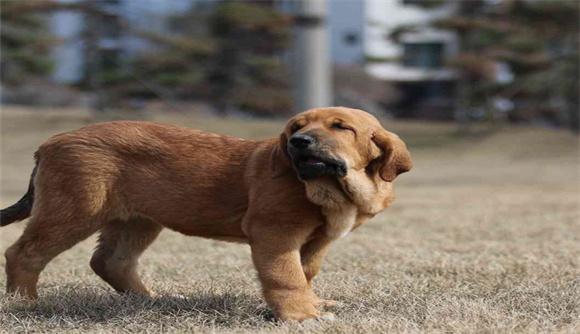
<point>371,195</point>
<point>350,201</point>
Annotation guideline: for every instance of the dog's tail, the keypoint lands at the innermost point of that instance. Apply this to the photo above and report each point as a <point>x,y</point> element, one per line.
<point>21,209</point>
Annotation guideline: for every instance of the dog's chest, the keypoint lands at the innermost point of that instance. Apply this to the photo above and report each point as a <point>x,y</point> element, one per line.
<point>339,212</point>
<point>340,221</point>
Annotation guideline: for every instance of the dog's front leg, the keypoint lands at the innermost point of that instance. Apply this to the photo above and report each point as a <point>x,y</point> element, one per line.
<point>312,254</point>
<point>284,284</point>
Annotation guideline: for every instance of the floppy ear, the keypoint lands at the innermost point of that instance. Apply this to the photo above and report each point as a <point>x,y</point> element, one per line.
<point>279,159</point>
<point>395,158</point>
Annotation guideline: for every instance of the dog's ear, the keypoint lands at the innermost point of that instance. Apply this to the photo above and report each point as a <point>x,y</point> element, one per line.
<point>280,159</point>
<point>395,159</point>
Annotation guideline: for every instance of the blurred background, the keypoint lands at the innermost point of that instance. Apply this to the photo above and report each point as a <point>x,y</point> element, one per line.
<point>478,61</point>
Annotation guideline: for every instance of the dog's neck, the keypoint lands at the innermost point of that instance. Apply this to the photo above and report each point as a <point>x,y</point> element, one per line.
<point>343,201</point>
<point>369,193</point>
<point>338,210</point>
<point>326,192</point>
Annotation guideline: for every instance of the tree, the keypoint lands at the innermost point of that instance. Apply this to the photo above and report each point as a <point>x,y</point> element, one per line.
<point>537,41</point>
<point>248,70</point>
<point>229,54</point>
<point>25,45</point>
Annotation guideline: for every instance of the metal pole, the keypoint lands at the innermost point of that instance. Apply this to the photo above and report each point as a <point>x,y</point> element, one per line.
<point>312,63</point>
<point>93,29</point>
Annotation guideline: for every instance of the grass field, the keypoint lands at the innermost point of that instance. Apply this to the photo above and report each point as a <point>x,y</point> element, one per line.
<point>484,237</point>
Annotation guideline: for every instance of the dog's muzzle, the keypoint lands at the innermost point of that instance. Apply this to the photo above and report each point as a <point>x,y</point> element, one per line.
<point>310,162</point>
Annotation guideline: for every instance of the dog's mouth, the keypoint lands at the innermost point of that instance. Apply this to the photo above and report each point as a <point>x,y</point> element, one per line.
<point>310,166</point>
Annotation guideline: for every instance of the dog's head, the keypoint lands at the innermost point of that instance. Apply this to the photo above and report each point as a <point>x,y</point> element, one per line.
<point>328,142</point>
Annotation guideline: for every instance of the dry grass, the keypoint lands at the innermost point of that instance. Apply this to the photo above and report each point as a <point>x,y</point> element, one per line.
<point>484,237</point>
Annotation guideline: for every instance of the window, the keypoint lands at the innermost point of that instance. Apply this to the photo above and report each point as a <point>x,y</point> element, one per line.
<point>110,59</point>
<point>350,38</point>
<point>412,2</point>
<point>111,28</point>
<point>426,4</point>
<point>423,55</point>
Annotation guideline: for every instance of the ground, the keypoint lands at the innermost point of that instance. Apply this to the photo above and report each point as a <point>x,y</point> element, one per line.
<point>484,237</point>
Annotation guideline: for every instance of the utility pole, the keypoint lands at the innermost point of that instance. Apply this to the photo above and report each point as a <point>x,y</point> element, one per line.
<point>313,82</point>
<point>94,62</point>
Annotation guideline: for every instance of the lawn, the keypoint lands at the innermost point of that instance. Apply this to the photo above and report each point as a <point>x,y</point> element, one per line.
<point>484,237</point>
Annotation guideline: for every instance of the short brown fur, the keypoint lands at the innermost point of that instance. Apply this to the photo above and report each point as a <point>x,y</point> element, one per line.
<point>129,180</point>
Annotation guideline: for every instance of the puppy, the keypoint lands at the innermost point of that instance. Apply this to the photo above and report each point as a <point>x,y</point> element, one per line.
<point>330,171</point>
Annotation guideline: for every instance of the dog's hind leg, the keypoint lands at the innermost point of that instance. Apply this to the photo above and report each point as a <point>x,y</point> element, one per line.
<point>120,245</point>
<point>43,239</point>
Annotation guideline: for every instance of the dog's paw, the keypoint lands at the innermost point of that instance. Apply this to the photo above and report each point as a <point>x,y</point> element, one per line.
<point>304,314</point>
<point>327,316</point>
<point>328,303</point>
<point>323,317</point>
<point>299,316</point>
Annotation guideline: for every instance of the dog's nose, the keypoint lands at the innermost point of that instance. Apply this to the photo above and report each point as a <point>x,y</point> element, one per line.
<point>301,141</point>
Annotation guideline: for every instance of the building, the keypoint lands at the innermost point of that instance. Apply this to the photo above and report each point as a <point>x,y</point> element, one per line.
<point>346,31</point>
<point>401,48</point>
<point>361,32</point>
<point>71,28</point>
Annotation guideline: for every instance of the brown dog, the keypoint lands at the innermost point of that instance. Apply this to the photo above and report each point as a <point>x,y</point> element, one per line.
<point>329,172</point>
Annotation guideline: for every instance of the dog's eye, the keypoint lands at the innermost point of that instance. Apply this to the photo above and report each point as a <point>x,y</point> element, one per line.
<point>295,127</point>
<point>340,126</point>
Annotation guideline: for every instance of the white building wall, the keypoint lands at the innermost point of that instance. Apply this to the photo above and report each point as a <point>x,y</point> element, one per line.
<point>346,19</point>
<point>383,17</point>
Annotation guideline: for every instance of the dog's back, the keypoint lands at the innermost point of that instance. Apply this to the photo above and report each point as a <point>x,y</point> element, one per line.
<point>120,169</point>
